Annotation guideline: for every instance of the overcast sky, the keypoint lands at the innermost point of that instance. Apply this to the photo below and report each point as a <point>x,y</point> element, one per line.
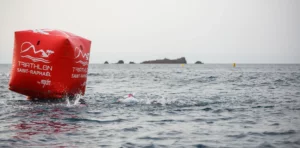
<point>213,31</point>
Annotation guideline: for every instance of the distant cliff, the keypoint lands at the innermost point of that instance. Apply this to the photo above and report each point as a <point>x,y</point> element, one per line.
<point>166,61</point>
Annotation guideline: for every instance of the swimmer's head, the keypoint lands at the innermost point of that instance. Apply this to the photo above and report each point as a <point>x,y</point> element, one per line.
<point>130,95</point>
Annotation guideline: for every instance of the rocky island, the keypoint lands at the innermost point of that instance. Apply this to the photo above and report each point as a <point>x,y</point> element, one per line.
<point>120,62</point>
<point>166,61</point>
<point>199,62</point>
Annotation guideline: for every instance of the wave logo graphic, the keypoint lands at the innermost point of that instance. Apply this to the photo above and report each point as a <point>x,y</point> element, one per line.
<point>83,58</point>
<point>83,63</point>
<point>39,55</point>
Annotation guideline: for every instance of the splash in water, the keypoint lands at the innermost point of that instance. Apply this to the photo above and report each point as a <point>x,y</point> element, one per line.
<point>78,101</point>
<point>129,100</point>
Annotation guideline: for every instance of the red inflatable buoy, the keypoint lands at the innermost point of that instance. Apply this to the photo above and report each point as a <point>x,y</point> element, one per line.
<point>49,64</point>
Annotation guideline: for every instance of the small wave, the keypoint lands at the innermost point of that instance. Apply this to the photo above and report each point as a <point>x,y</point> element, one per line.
<point>94,74</point>
<point>245,85</point>
<point>279,81</point>
<point>201,103</point>
<point>5,74</point>
<point>131,129</point>
<point>265,83</point>
<point>169,120</point>
<point>218,111</point>
<point>200,146</point>
<point>289,132</point>
<point>252,77</point>
<point>294,108</point>
<point>153,114</point>
<point>165,121</point>
<point>259,106</point>
<point>212,77</point>
<point>226,118</point>
<point>203,79</point>
<point>275,124</point>
<point>242,135</point>
<point>280,133</point>
<point>265,145</point>
<point>207,109</point>
<point>255,133</point>
<point>296,142</point>
<point>172,133</point>
<point>129,144</point>
<point>211,120</point>
<point>94,120</point>
<point>223,110</point>
<point>152,138</point>
<point>202,120</point>
<point>291,79</point>
<point>8,140</point>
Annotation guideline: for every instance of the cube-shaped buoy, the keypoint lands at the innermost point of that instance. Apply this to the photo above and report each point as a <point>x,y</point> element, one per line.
<point>49,64</point>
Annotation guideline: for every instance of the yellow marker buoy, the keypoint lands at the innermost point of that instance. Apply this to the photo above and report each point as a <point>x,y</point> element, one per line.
<point>233,65</point>
<point>182,65</point>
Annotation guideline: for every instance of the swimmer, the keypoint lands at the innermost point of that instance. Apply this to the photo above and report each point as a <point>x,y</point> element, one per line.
<point>129,100</point>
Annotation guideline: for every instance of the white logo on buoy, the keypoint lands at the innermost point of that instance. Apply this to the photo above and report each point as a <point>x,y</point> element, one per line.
<point>44,82</point>
<point>83,58</point>
<point>39,55</point>
<point>83,84</point>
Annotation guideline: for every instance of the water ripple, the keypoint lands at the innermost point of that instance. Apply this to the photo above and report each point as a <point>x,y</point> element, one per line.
<point>206,105</point>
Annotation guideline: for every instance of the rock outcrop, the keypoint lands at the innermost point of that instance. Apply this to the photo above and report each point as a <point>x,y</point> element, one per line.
<point>131,62</point>
<point>120,62</point>
<point>166,61</point>
<point>106,62</point>
<point>199,62</point>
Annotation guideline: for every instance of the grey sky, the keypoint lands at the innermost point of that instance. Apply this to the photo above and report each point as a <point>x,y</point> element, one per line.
<point>213,31</point>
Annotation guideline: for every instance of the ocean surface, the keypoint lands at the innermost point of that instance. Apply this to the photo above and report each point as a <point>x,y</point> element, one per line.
<point>201,106</point>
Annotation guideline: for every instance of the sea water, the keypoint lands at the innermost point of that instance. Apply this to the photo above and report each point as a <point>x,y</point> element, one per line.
<point>210,105</point>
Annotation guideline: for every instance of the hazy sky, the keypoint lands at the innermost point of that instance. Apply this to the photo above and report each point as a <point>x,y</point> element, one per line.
<point>213,31</point>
